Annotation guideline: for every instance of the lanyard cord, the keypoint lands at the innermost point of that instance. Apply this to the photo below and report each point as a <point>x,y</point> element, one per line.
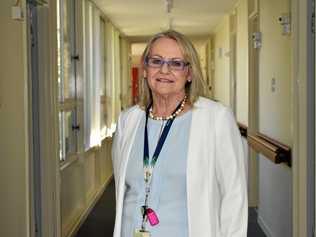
<point>148,167</point>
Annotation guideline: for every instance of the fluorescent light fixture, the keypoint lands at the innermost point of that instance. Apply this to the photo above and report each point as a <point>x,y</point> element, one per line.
<point>169,5</point>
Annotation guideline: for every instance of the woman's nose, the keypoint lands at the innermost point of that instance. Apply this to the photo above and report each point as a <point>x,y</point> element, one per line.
<point>165,68</point>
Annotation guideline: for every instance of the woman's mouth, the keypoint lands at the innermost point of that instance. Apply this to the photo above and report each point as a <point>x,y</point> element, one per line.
<point>164,80</point>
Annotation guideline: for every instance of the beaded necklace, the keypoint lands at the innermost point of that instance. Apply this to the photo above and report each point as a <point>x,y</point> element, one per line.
<point>172,116</point>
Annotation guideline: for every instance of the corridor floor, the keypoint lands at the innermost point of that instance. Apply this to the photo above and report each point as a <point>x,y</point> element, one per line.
<point>100,221</point>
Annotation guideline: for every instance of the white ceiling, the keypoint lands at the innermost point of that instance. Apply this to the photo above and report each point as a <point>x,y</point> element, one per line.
<point>142,18</point>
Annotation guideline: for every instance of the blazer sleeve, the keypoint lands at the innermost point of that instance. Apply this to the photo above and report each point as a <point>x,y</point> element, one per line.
<point>231,176</point>
<point>117,142</point>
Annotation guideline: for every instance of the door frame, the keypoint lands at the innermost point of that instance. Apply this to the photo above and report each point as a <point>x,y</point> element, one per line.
<point>253,107</point>
<point>303,81</point>
<point>46,165</point>
<point>50,116</point>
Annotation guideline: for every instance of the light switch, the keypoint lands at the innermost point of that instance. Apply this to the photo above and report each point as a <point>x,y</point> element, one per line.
<point>273,84</point>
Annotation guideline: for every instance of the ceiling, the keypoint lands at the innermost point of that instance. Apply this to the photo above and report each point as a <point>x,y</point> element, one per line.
<point>139,19</point>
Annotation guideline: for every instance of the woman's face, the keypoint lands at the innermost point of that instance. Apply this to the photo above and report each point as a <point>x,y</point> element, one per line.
<point>166,80</point>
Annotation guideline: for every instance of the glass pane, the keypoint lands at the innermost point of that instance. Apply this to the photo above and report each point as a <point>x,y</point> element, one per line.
<point>102,55</point>
<point>103,115</point>
<point>67,135</point>
<point>65,27</point>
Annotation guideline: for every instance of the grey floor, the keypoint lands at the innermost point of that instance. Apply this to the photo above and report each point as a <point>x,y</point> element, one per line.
<point>100,221</point>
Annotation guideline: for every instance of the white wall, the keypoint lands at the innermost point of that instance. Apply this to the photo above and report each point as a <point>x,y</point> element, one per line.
<point>14,142</point>
<point>221,80</point>
<point>275,185</point>
<point>242,62</point>
<point>222,76</point>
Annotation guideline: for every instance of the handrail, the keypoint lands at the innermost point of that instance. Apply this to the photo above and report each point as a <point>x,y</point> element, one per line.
<point>243,129</point>
<point>272,149</point>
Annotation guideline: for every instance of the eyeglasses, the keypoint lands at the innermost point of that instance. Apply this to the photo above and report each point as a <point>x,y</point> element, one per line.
<point>173,64</point>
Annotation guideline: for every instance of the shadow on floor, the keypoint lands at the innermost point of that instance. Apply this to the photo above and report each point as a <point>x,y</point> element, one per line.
<point>100,221</point>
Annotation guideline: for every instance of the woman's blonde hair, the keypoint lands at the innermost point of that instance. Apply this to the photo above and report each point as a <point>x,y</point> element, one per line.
<point>193,89</point>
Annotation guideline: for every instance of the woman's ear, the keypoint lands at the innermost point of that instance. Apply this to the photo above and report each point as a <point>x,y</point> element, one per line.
<point>189,77</point>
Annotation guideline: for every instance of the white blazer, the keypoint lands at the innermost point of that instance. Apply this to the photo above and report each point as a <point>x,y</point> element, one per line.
<point>216,170</point>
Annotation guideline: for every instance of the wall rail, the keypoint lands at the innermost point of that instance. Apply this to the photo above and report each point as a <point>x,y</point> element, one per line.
<point>270,148</point>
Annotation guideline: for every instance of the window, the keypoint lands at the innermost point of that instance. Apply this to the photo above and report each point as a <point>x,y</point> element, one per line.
<point>93,64</point>
<point>103,105</point>
<point>67,81</point>
<point>88,76</point>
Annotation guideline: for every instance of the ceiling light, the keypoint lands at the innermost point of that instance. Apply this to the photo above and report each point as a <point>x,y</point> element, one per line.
<point>169,5</point>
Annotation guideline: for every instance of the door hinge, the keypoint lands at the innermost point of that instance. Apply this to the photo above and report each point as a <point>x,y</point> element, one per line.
<point>75,57</point>
<point>257,40</point>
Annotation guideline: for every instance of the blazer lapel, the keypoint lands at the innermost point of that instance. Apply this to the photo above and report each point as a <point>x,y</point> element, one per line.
<point>197,174</point>
<point>132,122</point>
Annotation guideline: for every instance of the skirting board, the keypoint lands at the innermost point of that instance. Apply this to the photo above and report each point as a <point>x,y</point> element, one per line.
<point>264,226</point>
<point>85,214</point>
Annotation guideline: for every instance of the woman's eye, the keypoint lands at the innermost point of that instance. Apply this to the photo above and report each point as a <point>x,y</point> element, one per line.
<point>176,63</point>
<point>156,61</point>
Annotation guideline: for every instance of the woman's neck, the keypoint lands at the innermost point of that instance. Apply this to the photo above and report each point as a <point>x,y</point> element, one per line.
<point>165,105</point>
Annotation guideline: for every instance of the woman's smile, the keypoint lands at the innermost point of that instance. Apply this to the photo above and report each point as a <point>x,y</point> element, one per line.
<point>164,80</point>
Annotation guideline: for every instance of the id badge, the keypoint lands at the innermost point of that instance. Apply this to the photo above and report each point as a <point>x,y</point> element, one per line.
<point>141,233</point>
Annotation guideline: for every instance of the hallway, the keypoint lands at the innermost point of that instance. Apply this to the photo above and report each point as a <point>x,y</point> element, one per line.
<point>69,67</point>
<point>100,221</point>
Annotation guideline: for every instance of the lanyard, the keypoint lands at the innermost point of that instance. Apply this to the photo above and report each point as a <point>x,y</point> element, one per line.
<point>149,165</point>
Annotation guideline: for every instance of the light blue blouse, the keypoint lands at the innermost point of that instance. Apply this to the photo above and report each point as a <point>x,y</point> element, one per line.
<point>168,188</point>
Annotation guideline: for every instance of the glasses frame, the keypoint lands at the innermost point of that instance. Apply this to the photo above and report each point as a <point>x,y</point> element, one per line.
<point>168,62</point>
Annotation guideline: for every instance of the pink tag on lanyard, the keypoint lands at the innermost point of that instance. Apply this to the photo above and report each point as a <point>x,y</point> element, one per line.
<point>152,217</point>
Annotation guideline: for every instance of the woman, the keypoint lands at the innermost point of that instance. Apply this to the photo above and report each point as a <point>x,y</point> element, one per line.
<point>178,163</point>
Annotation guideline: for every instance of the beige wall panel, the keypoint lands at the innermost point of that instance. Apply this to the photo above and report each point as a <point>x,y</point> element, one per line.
<point>242,63</point>
<point>222,76</point>
<point>82,182</point>
<point>72,195</point>
<point>90,175</point>
<point>106,161</point>
<point>14,176</point>
<point>275,185</point>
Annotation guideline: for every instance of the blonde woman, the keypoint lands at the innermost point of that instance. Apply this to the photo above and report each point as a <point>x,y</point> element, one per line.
<point>178,163</point>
